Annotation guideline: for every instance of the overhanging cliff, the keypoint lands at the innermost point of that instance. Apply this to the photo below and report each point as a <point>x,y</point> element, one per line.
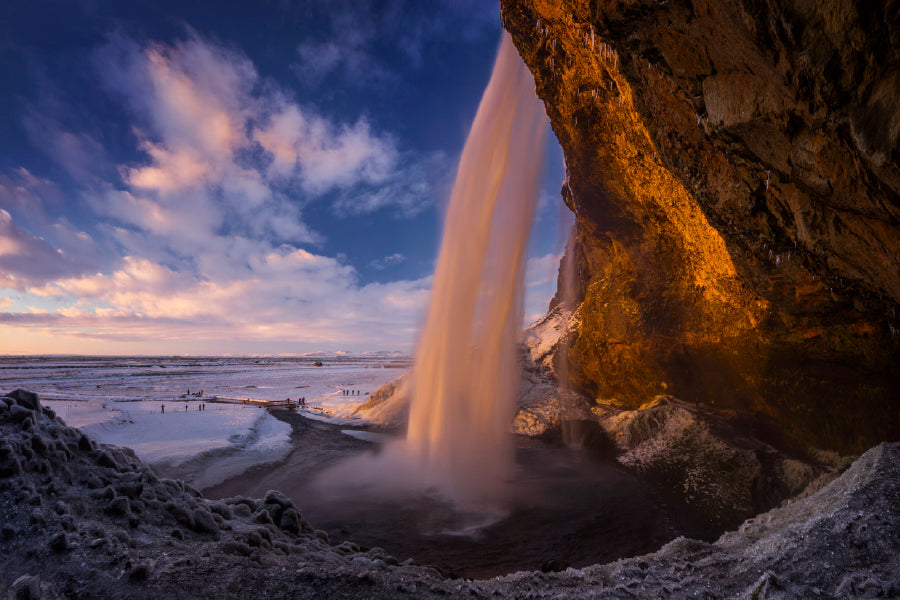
<point>733,169</point>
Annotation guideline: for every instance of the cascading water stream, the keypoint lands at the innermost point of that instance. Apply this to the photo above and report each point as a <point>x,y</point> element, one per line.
<point>466,369</point>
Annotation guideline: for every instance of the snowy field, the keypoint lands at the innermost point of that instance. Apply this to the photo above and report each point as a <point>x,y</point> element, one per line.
<point>202,446</point>
<point>120,400</point>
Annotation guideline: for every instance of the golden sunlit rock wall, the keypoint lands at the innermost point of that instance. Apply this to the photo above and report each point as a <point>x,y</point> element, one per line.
<point>733,169</point>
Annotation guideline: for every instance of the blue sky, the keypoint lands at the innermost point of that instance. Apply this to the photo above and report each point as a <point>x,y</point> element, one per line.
<point>236,177</point>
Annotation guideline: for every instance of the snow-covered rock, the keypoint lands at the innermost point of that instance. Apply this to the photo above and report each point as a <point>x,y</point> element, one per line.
<point>712,466</point>
<point>388,406</point>
<point>83,519</point>
<point>543,336</point>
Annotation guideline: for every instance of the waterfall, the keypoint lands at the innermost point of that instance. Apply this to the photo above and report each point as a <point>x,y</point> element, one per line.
<point>466,368</point>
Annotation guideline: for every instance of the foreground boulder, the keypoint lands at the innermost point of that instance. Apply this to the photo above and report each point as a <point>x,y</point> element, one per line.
<point>86,520</point>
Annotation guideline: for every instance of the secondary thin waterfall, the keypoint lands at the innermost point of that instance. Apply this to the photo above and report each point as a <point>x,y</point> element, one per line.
<point>466,369</point>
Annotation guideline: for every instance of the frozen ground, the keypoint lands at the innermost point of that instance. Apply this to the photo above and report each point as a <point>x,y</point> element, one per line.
<point>87,520</point>
<point>168,378</point>
<point>201,447</point>
<point>119,401</point>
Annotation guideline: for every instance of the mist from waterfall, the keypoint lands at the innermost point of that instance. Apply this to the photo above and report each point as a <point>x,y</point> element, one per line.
<point>466,369</point>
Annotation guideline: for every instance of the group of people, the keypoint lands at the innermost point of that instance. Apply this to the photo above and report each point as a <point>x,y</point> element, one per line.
<point>350,392</point>
<point>201,406</point>
<point>300,401</point>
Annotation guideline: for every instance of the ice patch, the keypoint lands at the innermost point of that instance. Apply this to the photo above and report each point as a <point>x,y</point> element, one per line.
<point>199,444</point>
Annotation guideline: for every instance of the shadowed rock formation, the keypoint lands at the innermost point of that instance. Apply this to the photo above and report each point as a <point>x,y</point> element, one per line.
<point>81,519</point>
<point>733,169</point>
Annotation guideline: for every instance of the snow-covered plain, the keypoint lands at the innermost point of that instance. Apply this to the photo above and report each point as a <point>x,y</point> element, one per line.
<point>120,400</point>
<point>183,434</point>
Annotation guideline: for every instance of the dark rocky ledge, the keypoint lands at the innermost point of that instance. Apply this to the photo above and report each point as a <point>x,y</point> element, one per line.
<point>80,519</point>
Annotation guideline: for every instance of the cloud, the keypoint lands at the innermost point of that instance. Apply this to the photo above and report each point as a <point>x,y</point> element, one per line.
<point>406,193</point>
<point>204,234</point>
<point>346,52</point>
<point>34,247</point>
<point>292,295</point>
<point>388,261</point>
<point>324,156</point>
<point>25,258</point>
<point>210,125</point>
<point>541,270</point>
<point>80,153</point>
<point>353,37</point>
<point>540,285</point>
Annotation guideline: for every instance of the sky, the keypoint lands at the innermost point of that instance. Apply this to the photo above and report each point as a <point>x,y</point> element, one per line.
<point>237,177</point>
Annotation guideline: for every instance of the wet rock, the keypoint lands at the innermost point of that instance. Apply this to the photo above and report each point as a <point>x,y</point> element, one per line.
<point>290,521</point>
<point>276,497</point>
<point>26,587</point>
<point>93,482</point>
<point>85,443</point>
<point>554,566</point>
<point>59,543</point>
<point>346,547</point>
<point>174,486</point>
<point>131,489</point>
<point>25,399</point>
<point>39,446</point>
<point>119,506</point>
<point>19,414</point>
<point>203,521</point>
<point>59,458</point>
<point>221,509</point>
<point>97,543</point>
<point>275,512</point>
<point>10,466</point>
<point>235,547</point>
<point>104,459</point>
<point>322,535</point>
<point>106,493</point>
<point>139,573</point>
<point>263,517</point>
<point>180,511</point>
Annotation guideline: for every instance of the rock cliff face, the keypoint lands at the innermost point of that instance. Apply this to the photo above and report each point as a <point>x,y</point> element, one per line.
<point>733,169</point>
